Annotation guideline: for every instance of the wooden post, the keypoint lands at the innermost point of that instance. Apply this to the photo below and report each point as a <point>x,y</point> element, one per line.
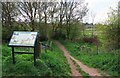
<point>34,57</point>
<point>13,55</point>
<point>38,48</point>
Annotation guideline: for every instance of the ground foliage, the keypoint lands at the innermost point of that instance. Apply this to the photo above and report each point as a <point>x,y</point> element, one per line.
<point>105,61</point>
<point>50,63</point>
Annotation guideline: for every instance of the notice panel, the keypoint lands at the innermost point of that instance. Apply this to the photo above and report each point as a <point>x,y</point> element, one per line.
<point>20,38</point>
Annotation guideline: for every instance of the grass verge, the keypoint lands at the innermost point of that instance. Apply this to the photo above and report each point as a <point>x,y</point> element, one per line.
<point>105,61</point>
<point>50,63</point>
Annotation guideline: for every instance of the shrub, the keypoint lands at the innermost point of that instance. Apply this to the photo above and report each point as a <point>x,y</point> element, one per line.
<point>93,40</point>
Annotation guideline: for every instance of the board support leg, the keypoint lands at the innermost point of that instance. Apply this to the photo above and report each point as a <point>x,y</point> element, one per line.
<point>13,57</point>
<point>34,57</point>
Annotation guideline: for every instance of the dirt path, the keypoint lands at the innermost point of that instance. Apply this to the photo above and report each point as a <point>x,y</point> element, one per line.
<point>74,70</point>
<point>90,71</point>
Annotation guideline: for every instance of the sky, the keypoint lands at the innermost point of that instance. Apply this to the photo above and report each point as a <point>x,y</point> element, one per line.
<point>98,10</point>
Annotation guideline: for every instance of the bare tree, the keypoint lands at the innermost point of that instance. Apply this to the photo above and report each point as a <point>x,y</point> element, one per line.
<point>28,10</point>
<point>53,9</point>
<point>74,11</point>
<point>60,15</point>
<point>8,18</point>
<point>8,13</point>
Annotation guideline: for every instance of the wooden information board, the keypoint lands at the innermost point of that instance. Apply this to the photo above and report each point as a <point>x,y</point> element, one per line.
<point>23,39</point>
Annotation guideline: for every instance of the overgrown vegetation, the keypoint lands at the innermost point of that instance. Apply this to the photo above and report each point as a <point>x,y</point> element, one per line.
<point>50,63</point>
<point>106,61</point>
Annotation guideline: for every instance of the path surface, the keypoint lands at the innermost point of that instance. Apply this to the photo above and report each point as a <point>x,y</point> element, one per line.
<point>74,70</point>
<point>90,71</point>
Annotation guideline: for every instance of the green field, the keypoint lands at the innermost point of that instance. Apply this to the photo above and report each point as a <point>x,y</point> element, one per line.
<point>105,61</point>
<point>50,63</point>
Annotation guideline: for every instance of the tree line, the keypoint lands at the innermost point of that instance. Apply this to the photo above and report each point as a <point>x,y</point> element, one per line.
<point>51,19</point>
<point>58,20</point>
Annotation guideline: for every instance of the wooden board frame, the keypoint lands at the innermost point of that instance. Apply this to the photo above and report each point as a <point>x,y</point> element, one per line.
<point>34,47</point>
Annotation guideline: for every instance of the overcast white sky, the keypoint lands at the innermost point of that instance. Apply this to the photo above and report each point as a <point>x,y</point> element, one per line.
<point>100,8</point>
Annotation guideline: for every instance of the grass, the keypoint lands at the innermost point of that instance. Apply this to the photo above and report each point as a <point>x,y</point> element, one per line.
<point>50,63</point>
<point>105,61</point>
